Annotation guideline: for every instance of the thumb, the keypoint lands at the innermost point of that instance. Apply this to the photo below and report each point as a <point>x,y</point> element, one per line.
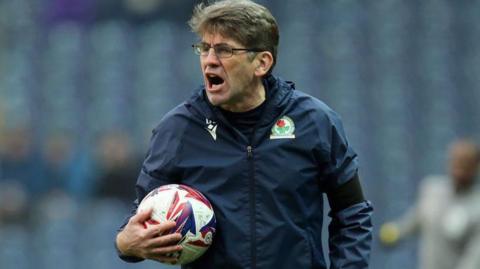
<point>142,215</point>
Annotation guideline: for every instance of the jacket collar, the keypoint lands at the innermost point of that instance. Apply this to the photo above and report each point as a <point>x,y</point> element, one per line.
<point>277,92</point>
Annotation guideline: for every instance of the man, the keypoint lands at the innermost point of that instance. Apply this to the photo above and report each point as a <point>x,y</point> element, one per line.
<point>263,154</point>
<point>447,214</point>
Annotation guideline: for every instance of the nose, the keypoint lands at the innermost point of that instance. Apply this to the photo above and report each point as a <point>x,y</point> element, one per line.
<point>211,58</point>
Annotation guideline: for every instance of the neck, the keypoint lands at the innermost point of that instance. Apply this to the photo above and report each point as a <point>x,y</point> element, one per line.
<point>250,100</point>
<point>462,189</point>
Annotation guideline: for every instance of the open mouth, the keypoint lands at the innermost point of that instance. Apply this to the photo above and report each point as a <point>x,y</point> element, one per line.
<point>214,80</point>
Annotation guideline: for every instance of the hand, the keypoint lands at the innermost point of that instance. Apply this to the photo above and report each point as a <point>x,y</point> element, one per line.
<point>147,241</point>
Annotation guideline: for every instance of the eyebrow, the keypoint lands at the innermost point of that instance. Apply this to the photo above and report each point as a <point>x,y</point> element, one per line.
<point>218,44</point>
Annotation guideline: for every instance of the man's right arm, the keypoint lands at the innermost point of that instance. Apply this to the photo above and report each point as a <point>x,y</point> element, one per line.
<point>138,241</point>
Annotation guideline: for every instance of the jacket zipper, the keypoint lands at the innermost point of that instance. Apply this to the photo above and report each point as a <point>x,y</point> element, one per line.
<point>253,236</point>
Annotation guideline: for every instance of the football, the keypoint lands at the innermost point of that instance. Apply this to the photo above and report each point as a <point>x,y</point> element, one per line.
<point>192,212</point>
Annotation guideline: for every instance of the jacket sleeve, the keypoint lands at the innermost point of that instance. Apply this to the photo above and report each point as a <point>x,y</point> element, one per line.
<point>350,231</point>
<point>409,223</point>
<point>159,168</point>
<point>337,160</point>
<point>350,236</point>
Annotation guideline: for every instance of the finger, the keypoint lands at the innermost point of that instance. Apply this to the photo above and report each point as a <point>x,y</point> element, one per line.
<point>161,228</point>
<point>166,240</point>
<point>164,251</point>
<point>170,260</point>
<point>142,216</point>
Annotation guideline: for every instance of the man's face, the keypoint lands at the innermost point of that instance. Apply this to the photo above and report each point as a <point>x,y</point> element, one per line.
<point>229,82</point>
<point>463,164</point>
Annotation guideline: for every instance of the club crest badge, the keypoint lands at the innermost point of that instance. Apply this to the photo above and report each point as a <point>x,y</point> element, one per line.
<point>283,128</point>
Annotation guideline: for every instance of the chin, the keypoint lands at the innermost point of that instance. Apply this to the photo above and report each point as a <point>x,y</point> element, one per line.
<point>215,100</point>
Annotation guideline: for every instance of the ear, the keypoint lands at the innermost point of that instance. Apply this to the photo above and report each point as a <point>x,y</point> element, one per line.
<point>264,61</point>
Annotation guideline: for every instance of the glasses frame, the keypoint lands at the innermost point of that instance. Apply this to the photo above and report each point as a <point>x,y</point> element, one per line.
<point>196,50</point>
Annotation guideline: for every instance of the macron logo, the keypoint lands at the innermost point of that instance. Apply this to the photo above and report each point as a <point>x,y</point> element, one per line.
<point>211,128</point>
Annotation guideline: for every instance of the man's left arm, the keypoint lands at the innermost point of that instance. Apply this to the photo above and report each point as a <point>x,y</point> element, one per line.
<point>350,231</point>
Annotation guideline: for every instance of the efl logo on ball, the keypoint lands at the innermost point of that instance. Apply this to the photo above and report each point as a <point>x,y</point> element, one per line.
<point>192,212</point>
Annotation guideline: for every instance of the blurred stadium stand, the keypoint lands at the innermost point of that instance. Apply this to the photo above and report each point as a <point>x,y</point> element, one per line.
<point>403,75</point>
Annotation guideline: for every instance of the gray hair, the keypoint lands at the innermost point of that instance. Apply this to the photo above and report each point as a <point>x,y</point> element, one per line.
<point>246,22</point>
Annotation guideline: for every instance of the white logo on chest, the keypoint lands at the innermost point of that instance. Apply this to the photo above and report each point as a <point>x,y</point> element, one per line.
<point>211,128</point>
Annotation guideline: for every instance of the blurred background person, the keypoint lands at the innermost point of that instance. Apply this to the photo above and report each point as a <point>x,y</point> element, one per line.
<point>118,167</point>
<point>446,215</point>
<point>65,167</point>
<point>13,204</point>
<point>19,161</point>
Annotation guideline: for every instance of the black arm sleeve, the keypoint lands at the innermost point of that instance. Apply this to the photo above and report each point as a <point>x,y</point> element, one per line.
<point>346,195</point>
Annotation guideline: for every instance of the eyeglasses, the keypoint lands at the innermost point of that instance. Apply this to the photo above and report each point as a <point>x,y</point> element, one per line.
<point>221,50</point>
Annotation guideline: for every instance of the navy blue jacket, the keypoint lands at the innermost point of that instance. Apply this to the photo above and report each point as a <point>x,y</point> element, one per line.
<point>266,192</point>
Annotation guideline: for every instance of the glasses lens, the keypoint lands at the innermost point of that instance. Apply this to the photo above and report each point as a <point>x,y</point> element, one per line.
<point>197,49</point>
<point>223,51</point>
